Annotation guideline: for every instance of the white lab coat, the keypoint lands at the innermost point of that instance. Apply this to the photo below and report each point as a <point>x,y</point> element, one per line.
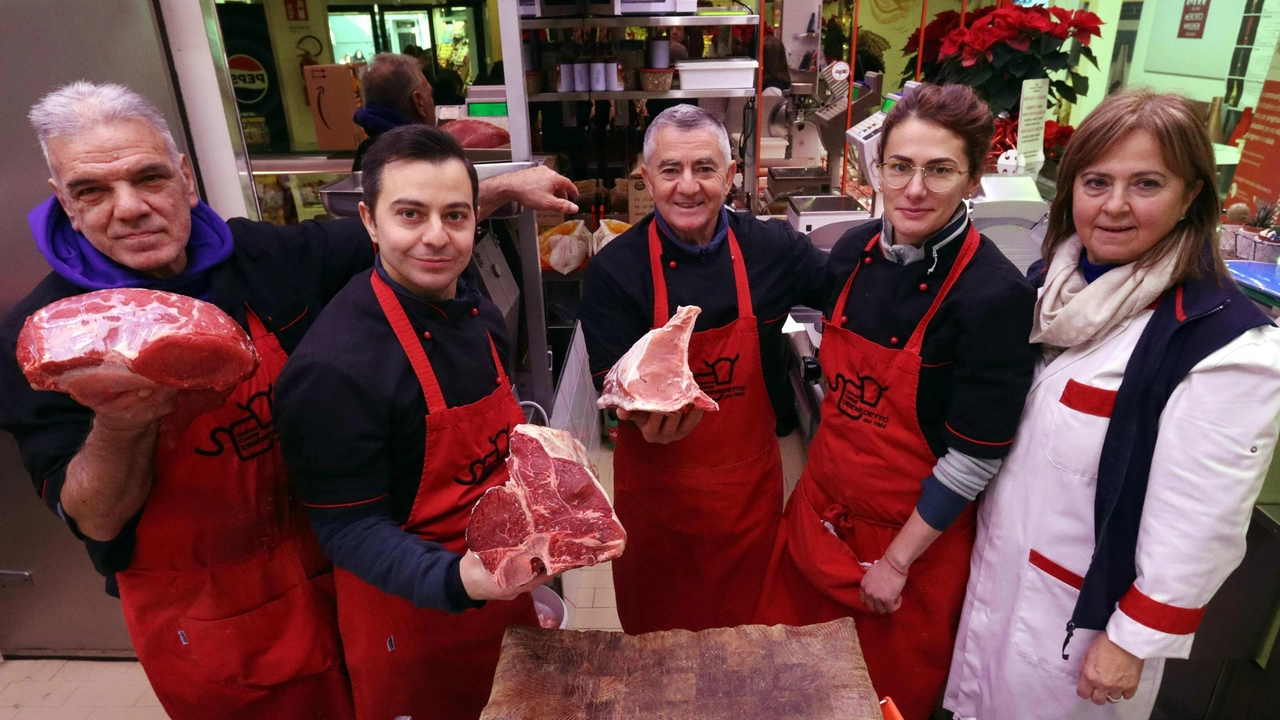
<point>1215,442</point>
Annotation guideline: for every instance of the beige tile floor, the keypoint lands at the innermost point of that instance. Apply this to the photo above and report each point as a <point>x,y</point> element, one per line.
<point>76,690</point>
<point>115,690</point>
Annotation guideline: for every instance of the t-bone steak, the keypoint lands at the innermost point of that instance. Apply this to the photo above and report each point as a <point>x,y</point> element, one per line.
<point>654,375</point>
<point>105,342</point>
<point>552,514</point>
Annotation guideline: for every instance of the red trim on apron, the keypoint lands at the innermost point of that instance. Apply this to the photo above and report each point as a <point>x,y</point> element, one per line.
<point>228,598</point>
<point>1088,399</point>
<point>702,513</point>
<point>860,486</point>
<point>421,662</point>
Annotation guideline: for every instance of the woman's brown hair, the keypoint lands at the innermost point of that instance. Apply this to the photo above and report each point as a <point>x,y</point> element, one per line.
<point>1185,150</point>
<point>952,107</point>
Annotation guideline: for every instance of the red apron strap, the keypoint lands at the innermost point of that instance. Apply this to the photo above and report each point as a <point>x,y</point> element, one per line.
<point>411,344</point>
<point>740,278</point>
<point>660,311</point>
<point>967,251</point>
<point>844,294</point>
<point>497,360</point>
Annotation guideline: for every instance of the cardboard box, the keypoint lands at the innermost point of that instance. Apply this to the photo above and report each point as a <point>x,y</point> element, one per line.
<point>639,201</point>
<point>333,92</point>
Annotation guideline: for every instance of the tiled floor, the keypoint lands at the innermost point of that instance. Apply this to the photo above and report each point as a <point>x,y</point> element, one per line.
<point>112,690</point>
<point>589,591</point>
<point>76,690</point>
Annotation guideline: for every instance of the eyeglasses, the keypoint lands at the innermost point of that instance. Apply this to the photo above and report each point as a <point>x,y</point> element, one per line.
<point>937,178</point>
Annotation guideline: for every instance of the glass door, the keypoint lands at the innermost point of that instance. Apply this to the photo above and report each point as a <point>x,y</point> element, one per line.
<point>459,35</point>
<point>351,30</point>
<point>407,27</point>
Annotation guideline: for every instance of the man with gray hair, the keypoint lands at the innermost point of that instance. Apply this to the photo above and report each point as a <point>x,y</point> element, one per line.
<point>227,596</point>
<point>700,494</point>
<point>396,93</point>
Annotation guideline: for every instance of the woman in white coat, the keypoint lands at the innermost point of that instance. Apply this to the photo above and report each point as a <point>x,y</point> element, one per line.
<point>1150,425</point>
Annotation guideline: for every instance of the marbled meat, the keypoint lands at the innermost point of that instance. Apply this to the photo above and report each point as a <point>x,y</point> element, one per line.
<point>654,375</point>
<point>551,515</point>
<point>477,134</point>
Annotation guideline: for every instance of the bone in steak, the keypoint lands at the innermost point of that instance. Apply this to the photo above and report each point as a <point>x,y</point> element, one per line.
<point>100,343</point>
<point>477,134</point>
<point>551,514</point>
<point>654,375</point>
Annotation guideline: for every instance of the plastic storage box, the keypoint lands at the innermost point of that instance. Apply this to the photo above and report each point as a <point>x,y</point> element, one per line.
<point>717,74</point>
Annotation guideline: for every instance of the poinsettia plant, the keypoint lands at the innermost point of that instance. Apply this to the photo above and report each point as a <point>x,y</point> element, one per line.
<point>1056,138</point>
<point>998,48</point>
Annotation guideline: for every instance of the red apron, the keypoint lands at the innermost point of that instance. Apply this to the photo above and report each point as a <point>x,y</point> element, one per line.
<point>702,513</point>
<point>228,598</point>
<point>426,663</point>
<point>863,479</point>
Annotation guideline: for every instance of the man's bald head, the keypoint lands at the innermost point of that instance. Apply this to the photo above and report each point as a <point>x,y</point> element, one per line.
<point>396,81</point>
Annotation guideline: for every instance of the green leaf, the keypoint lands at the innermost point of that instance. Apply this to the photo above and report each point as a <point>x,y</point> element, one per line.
<point>1049,44</point>
<point>1001,54</point>
<point>1088,54</point>
<point>1007,97</point>
<point>1022,64</point>
<point>1056,61</point>
<point>1079,83</point>
<point>982,72</point>
<point>1064,91</point>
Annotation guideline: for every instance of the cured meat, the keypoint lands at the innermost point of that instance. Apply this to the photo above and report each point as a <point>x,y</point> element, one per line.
<point>654,375</point>
<point>749,672</point>
<point>477,134</point>
<point>105,342</point>
<point>552,514</point>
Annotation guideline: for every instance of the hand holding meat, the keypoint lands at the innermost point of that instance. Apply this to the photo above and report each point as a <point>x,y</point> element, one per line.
<point>654,375</point>
<point>663,428</point>
<point>480,585</point>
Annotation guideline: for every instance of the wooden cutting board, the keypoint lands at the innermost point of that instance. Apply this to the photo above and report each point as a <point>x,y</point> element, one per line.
<point>751,672</point>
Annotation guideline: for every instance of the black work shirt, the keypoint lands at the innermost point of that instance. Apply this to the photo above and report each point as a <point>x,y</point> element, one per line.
<point>285,274</point>
<point>352,419</point>
<point>977,362</point>
<point>784,269</point>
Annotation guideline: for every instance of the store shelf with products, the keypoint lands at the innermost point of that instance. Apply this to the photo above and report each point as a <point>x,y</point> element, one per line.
<point>616,21</point>
<point>642,95</point>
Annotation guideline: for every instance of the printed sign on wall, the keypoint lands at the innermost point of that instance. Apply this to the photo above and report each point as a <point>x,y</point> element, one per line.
<point>1193,15</point>
<point>296,10</point>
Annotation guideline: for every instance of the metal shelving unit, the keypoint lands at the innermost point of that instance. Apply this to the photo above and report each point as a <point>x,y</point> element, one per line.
<point>615,21</point>
<point>642,95</point>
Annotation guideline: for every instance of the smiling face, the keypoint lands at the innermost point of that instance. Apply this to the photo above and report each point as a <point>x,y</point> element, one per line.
<point>914,211</point>
<point>689,177</point>
<point>424,225</point>
<point>124,193</point>
<point>1127,201</point>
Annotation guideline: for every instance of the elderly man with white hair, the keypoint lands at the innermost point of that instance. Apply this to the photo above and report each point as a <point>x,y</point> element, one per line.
<point>228,598</point>
<point>700,494</point>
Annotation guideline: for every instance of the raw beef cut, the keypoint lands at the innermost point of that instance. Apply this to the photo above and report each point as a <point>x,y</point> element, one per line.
<point>101,343</point>
<point>477,134</point>
<point>551,514</point>
<point>750,672</point>
<point>654,375</point>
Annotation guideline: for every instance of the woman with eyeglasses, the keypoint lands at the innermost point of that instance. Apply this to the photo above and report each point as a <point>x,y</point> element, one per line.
<point>927,365</point>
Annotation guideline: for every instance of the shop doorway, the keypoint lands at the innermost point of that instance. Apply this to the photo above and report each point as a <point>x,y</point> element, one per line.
<point>453,35</point>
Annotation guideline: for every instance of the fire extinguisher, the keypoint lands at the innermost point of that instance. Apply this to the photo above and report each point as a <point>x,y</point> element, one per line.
<point>307,57</point>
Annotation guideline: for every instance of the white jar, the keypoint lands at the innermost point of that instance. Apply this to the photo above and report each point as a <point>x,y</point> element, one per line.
<point>581,77</point>
<point>599,78</point>
<point>565,83</point>
<point>660,54</point>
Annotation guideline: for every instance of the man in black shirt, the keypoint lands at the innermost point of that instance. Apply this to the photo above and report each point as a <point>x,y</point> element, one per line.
<point>214,562</point>
<point>699,494</point>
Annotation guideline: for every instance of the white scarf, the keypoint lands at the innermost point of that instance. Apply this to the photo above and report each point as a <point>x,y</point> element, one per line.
<point>1071,311</point>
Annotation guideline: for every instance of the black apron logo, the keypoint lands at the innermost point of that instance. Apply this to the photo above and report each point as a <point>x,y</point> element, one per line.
<point>717,379</point>
<point>481,468</point>
<point>857,398</point>
<point>250,436</point>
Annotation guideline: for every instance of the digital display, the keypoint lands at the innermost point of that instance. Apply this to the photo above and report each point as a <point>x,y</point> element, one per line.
<point>497,109</point>
<point>889,102</point>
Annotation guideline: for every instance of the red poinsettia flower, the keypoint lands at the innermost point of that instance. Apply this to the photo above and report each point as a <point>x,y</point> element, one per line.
<point>1084,24</point>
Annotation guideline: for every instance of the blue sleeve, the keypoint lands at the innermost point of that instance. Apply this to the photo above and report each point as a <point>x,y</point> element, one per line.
<point>366,542</point>
<point>939,505</point>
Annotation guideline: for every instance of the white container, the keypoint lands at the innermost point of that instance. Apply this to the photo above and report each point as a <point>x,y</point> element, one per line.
<point>659,54</point>
<point>581,76</point>
<point>554,604</point>
<point>599,78</point>
<point>717,74</point>
<point>566,78</point>
<point>615,72</point>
